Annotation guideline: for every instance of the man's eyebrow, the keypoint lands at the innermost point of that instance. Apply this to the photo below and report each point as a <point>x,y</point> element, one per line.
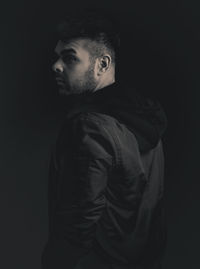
<point>66,51</point>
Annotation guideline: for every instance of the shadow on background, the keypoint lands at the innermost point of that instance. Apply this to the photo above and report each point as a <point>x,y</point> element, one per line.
<point>159,55</point>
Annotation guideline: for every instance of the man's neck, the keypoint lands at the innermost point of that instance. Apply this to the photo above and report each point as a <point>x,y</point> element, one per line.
<point>104,83</point>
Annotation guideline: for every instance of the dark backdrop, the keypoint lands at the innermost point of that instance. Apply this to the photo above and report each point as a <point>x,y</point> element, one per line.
<point>161,56</point>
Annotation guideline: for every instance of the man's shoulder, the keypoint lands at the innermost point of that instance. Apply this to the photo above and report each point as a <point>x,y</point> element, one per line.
<point>93,124</point>
<point>91,132</point>
<point>101,123</point>
<point>97,117</point>
<point>93,120</point>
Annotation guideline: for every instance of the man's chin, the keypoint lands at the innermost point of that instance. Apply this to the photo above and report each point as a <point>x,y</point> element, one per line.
<point>63,91</point>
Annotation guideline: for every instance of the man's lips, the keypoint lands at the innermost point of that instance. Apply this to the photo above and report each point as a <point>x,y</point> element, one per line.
<point>60,80</point>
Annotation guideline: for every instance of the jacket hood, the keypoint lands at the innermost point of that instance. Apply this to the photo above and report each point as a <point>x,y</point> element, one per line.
<point>142,116</point>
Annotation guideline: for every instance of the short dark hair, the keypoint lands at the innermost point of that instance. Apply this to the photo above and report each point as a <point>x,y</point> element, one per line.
<point>96,25</point>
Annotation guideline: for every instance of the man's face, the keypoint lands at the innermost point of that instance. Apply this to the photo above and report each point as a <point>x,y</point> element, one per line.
<point>74,70</point>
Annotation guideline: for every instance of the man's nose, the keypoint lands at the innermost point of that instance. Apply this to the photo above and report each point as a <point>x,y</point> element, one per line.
<point>57,66</point>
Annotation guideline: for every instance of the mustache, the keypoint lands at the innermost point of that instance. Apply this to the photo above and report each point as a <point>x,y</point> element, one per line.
<point>59,78</point>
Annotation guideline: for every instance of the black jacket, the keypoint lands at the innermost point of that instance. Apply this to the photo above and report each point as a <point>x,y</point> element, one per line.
<point>106,181</point>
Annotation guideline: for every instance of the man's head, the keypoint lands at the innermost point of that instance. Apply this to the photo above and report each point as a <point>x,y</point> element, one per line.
<point>86,53</point>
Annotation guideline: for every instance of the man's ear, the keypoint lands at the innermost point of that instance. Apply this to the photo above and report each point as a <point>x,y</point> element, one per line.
<point>104,64</point>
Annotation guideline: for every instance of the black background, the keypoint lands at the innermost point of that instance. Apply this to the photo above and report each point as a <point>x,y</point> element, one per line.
<point>160,54</point>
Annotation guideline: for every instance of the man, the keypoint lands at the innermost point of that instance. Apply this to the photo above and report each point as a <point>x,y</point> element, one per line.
<point>106,172</point>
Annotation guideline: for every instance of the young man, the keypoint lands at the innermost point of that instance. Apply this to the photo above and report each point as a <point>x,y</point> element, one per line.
<point>106,172</point>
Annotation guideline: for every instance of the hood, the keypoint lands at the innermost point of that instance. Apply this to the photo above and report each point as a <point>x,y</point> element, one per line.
<point>144,117</point>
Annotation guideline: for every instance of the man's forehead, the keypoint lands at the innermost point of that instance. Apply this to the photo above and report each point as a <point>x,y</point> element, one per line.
<point>75,45</point>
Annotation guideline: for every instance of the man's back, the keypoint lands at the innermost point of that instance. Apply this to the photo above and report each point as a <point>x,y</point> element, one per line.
<point>109,182</point>
<point>131,229</point>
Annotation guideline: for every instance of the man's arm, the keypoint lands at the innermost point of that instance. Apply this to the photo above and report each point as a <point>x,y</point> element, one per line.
<point>76,218</point>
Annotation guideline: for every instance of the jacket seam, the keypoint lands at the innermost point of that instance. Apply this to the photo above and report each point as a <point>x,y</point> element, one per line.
<point>118,158</point>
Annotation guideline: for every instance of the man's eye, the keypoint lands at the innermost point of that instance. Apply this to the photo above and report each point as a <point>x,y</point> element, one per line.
<point>68,58</point>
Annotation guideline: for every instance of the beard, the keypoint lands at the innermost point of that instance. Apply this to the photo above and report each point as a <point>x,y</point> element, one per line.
<point>87,84</point>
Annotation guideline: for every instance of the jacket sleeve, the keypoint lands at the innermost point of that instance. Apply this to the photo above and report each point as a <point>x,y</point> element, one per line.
<point>85,167</point>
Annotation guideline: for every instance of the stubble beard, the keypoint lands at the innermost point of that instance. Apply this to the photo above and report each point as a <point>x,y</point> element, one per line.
<point>87,84</point>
